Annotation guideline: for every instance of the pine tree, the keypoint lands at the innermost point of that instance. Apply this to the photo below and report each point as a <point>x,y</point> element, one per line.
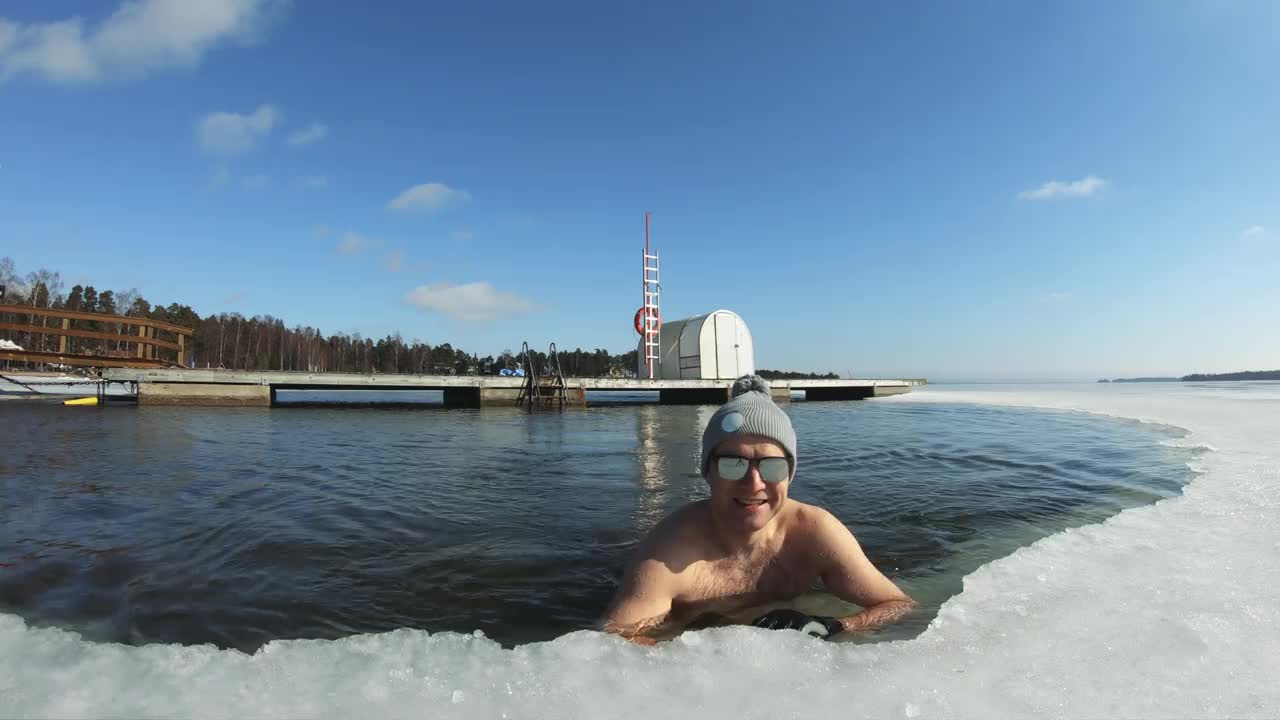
<point>107,306</point>
<point>107,302</point>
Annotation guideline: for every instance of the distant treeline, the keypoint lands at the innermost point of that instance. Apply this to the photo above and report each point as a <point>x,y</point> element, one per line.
<point>788,375</point>
<point>263,342</point>
<point>1248,375</point>
<point>1206,377</point>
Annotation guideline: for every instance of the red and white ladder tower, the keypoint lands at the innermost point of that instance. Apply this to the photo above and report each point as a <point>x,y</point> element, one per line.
<point>650,315</point>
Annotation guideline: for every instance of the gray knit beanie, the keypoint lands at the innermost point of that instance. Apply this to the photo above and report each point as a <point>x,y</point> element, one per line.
<point>751,411</point>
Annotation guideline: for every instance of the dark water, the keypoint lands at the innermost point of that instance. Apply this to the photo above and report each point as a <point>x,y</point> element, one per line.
<point>237,526</point>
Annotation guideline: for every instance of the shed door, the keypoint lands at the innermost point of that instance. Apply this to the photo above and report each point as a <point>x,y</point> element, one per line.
<point>690,354</point>
<point>726,346</point>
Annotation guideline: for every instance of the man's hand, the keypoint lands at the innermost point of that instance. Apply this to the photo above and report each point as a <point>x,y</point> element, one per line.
<point>819,626</point>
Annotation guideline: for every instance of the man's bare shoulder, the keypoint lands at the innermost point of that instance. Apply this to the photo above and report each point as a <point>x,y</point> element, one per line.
<point>809,517</point>
<point>815,524</point>
<point>680,537</point>
<point>656,575</point>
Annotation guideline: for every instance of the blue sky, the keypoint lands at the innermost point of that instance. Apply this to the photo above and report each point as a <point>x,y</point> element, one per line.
<point>977,190</point>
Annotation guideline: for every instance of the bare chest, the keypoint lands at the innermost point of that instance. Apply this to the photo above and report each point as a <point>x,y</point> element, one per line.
<point>723,586</point>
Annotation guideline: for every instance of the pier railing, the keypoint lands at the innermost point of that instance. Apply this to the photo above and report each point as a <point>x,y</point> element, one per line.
<point>137,343</point>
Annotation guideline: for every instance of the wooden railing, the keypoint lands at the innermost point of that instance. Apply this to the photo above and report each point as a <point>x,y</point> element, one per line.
<point>143,345</point>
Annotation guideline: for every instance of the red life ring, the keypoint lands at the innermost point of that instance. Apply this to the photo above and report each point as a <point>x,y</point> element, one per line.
<point>654,313</point>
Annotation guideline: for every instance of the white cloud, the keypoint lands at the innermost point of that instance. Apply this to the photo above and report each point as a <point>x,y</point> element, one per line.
<point>315,181</point>
<point>429,197</point>
<point>255,182</point>
<point>315,132</point>
<point>353,243</point>
<point>473,302</point>
<point>395,261</point>
<point>1056,188</point>
<point>226,133</point>
<point>8,34</point>
<point>1253,231</point>
<point>140,37</point>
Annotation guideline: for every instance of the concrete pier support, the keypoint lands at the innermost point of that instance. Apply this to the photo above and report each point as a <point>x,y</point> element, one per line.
<point>462,397</point>
<point>694,396</point>
<point>204,394</point>
<point>780,394</point>
<point>839,393</point>
<point>884,390</point>
<point>505,397</point>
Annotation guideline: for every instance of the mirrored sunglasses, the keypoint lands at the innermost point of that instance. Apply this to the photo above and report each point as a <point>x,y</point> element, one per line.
<point>771,469</point>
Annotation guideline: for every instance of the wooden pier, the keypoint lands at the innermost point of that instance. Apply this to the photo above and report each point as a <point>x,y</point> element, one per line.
<point>142,345</point>
<point>177,386</point>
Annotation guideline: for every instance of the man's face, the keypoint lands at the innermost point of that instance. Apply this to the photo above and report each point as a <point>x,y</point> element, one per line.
<point>748,503</point>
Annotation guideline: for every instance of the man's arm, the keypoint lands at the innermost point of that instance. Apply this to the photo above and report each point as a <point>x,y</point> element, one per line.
<point>850,576</point>
<point>644,603</point>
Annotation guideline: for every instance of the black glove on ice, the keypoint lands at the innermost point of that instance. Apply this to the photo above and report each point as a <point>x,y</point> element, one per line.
<point>818,626</point>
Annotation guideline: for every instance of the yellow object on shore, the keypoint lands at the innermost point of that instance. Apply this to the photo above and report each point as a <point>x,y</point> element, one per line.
<point>81,401</point>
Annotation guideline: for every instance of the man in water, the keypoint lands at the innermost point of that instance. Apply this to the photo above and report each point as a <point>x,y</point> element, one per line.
<point>748,545</point>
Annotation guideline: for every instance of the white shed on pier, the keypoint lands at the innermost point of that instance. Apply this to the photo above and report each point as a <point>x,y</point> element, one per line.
<point>713,346</point>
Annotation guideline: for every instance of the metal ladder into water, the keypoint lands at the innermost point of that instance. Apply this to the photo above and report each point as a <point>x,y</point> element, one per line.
<point>541,391</point>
